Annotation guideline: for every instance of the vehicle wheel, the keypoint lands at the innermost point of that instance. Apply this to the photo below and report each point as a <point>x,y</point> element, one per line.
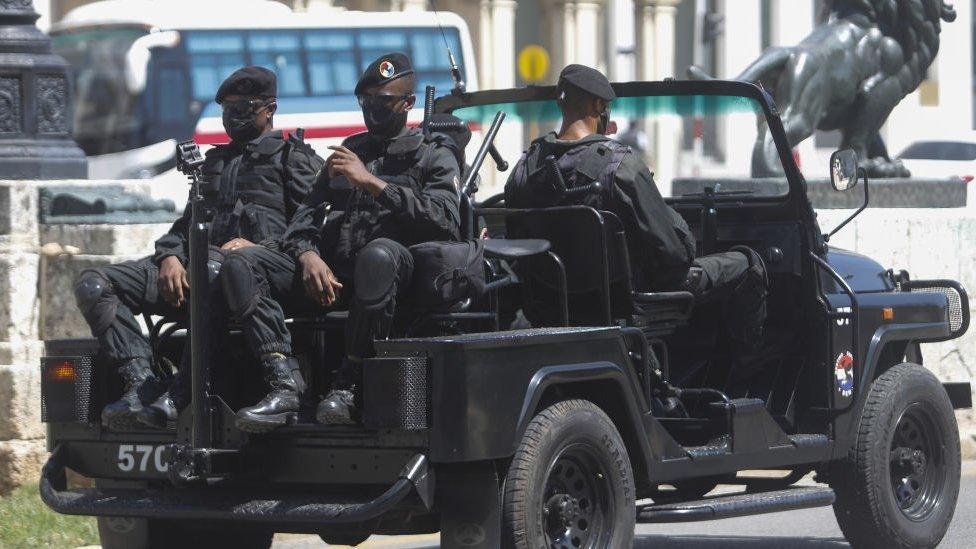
<point>570,484</point>
<point>172,533</point>
<point>899,486</point>
<point>344,537</point>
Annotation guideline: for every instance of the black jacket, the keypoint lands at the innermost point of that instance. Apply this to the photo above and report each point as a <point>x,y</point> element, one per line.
<point>419,204</point>
<point>261,186</point>
<point>661,245</point>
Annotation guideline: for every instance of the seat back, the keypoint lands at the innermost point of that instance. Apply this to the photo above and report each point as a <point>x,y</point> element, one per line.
<point>587,241</point>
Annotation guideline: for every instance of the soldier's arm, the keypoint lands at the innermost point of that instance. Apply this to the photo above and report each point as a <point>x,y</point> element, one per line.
<point>518,191</point>
<point>661,232</point>
<point>302,170</point>
<point>303,229</point>
<point>434,211</point>
<point>175,241</point>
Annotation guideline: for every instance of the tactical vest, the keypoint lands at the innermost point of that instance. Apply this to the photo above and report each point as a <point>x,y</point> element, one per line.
<point>251,198</point>
<point>596,161</point>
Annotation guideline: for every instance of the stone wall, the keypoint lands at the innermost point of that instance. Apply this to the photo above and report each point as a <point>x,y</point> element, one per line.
<point>37,303</point>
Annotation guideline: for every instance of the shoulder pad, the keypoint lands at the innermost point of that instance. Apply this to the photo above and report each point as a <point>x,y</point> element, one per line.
<point>355,140</point>
<point>269,146</point>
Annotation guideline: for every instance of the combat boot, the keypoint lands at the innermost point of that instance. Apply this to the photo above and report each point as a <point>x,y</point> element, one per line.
<point>139,383</point>
<point>165,410</point>
<point>287,385</point>
<point>338,408</point>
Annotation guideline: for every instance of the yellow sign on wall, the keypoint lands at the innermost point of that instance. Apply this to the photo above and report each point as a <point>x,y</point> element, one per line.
<point>533,63</point>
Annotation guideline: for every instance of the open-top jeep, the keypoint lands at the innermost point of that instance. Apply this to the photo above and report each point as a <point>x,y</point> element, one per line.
<point>622,407</point>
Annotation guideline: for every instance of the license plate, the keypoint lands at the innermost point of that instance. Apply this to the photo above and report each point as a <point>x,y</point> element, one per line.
<point>142,459</point>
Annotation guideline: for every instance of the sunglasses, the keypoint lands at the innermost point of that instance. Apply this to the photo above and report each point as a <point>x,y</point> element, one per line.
<point>381,100</point>
<point>246,106</point>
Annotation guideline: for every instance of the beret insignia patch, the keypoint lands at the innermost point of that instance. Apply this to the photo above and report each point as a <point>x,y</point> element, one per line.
<point>387,69</point>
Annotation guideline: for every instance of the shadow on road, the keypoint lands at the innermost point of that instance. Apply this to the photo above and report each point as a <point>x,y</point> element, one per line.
<point>715,542</point>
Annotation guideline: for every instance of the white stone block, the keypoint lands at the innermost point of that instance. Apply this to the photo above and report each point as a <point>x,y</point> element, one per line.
<point>18,297</point>
<point>137,239</point>
<point>20,463</point>
<point>20,402</point>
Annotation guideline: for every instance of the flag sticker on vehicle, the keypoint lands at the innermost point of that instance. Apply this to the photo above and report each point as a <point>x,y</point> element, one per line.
<point>844,373</point>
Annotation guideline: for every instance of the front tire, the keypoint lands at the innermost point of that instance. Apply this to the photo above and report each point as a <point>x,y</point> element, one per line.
<point>570,484</point>
<point>898,489</point>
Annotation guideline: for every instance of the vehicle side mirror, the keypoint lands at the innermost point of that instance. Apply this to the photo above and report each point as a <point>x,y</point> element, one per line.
<point>843,169</point>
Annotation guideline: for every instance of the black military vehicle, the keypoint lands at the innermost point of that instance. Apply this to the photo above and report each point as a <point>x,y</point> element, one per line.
<point>623,407</point>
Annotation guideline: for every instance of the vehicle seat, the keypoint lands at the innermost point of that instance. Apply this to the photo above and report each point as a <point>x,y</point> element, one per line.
<point>592,248</point>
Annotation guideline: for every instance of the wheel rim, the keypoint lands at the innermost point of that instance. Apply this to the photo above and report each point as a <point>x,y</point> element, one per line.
<point>917,463</point>
<point>577,507</point>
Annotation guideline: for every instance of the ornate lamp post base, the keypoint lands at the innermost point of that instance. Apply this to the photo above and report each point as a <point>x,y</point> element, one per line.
<point>35,102</point>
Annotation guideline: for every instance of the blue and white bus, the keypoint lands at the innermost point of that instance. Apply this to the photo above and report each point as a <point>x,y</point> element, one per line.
<point>145,72</point>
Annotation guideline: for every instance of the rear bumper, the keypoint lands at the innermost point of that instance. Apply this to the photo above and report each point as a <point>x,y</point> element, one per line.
<point>210,503</point>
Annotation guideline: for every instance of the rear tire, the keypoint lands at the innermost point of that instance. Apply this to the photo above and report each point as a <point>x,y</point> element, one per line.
<point>898,488</point>
<point>570,483</point>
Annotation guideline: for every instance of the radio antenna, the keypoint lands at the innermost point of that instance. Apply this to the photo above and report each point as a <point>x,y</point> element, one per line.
<point>455,71</point>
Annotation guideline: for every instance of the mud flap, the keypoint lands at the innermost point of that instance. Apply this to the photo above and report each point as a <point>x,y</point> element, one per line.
<point>123,532</point>
<point>469,500</point>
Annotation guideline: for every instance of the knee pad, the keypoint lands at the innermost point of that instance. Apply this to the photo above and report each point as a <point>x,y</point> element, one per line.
<point>215,261</point>
<point>375,276</point>
<point>97,300</point>
<point>239,284</point>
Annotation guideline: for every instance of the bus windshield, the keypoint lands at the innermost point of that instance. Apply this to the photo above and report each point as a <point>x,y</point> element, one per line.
<point>106,114</point>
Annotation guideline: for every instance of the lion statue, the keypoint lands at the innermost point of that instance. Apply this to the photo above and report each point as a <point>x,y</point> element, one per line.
<point>848,75</point>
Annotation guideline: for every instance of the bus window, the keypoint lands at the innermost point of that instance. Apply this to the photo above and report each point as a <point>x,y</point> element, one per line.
<point>279,51</point>
<point>213,56</point>
<point>331,70</point>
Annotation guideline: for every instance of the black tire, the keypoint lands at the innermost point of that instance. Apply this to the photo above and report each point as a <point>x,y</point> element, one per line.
<point>203,535</point>
<point>899,486</point>
<point>344,537</point>
<point>570,484</point>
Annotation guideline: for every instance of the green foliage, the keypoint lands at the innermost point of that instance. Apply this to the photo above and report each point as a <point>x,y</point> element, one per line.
<point>25,522</point>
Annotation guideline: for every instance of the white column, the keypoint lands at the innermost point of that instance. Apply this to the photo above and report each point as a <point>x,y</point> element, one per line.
<point>43,8</point>
<point>503,30</point>
<point>739,46</point>
<point>408,5</point>
<point>645,39</point>
<point>487,48</point>
<point>792,21</point>
<point>667,128</point>
<point>587,35</point>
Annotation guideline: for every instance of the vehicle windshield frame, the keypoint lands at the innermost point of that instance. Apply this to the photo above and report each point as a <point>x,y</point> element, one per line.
<point>795,181</point>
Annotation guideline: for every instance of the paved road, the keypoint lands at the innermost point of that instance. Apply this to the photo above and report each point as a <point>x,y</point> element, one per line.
<point>807,529</point>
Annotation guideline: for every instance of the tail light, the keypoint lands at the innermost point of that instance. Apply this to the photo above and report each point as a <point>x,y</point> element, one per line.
<point>66,389</point>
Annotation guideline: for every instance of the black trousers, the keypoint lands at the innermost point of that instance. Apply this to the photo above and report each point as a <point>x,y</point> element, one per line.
<point>110,297</point>
<point>260,285</point>
<point>737,280</point>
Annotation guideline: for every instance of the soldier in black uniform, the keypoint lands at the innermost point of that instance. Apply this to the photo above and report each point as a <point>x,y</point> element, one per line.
<point>263,178</point>
<point>661,246</point>
<point>381,191</point>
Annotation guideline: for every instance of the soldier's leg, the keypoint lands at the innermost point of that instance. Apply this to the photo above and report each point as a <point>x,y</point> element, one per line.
<point>164,411</point>
<point>383,270</point>
<point>738,279</point>
<point>254,280</point>
<point>109,297</point>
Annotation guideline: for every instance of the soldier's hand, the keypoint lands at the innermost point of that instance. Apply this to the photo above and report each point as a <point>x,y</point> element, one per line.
<point>237,244</point>
<point>173,281</point>
<point>320,283</point>
<point>345,162</point>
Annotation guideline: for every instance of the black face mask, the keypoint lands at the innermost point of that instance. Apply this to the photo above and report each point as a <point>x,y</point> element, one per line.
<point>383,122</point>
<point>241,127</point>
<point>601,127</point>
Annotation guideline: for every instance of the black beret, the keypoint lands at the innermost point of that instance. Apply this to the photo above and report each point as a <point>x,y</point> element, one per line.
<point>587,79</point>
<point>249,81</point>
<point>386,69</point>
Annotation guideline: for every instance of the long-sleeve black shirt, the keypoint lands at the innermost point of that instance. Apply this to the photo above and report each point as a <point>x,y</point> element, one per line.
<point>420,202</point>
